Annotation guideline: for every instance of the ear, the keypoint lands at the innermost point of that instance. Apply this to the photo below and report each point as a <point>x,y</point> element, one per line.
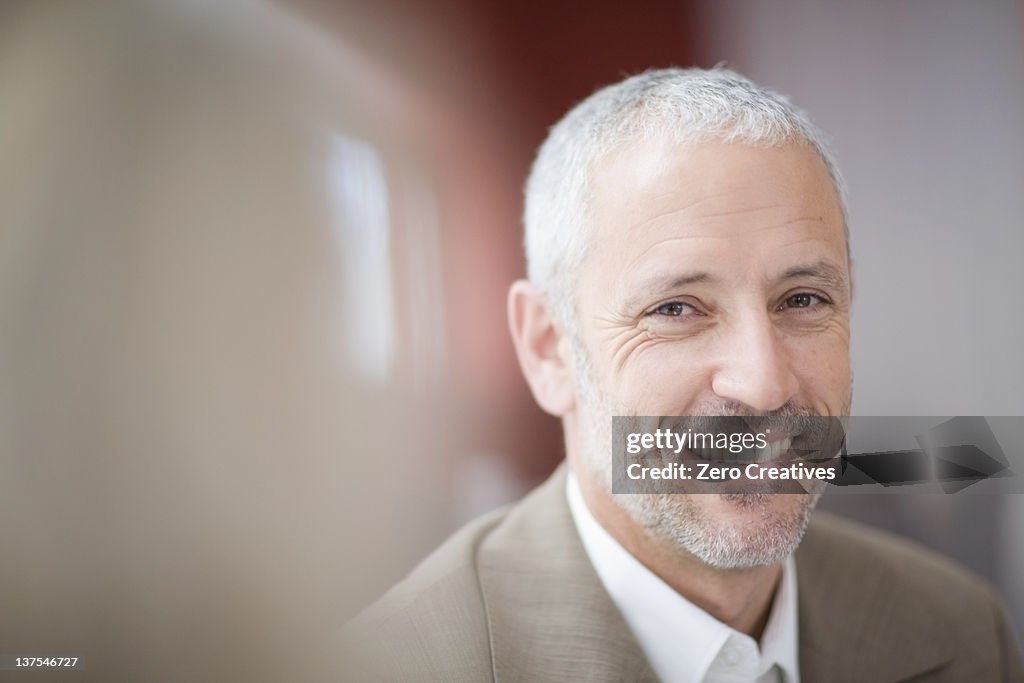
<point>541,348</point>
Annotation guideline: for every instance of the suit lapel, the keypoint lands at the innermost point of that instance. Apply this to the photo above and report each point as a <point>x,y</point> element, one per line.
<point>549,615</point>
<point>551,620</point>
<point>854,625</point>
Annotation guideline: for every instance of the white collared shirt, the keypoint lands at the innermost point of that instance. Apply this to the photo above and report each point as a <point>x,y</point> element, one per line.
<point>683,643</point>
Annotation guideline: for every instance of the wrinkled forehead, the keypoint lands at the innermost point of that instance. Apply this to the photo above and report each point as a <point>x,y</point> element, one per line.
<point>727,202</point>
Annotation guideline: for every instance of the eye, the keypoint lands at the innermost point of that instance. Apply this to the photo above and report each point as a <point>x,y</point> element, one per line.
<point>674,309</point>
<point>804,300</point>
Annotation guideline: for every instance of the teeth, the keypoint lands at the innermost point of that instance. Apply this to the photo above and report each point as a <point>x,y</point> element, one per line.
<point>778,449</point>
<point>715,454</point>
<point>774,451</point>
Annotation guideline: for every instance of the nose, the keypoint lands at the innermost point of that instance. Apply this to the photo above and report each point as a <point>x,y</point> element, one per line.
<point>754,367</point>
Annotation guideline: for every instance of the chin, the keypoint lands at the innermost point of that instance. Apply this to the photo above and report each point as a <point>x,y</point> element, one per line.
<point>745,530</point>
<point>727,531</point>
<point>758,505</point>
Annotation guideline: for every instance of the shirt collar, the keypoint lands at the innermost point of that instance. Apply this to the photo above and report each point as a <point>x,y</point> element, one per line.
<point>682,641</point>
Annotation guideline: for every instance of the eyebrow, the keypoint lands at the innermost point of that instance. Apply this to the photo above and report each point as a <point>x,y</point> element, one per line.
<point>666,284</point>
<point>823,272</point>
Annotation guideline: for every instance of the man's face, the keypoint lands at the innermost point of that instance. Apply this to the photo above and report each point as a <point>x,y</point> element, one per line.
<point>717,283</point>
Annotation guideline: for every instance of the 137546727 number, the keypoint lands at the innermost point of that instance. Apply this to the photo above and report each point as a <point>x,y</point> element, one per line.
<point>46,662</point>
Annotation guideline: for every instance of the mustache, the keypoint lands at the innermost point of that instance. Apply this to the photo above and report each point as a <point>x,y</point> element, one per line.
<point>814,436</point>
<point>790,420</point>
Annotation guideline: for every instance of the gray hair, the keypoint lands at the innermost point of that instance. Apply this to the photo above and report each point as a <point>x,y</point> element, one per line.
<point>681,105</point>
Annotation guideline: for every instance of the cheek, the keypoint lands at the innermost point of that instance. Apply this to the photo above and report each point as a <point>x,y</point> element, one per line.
<point>822,366</point>
<point>661,380</point>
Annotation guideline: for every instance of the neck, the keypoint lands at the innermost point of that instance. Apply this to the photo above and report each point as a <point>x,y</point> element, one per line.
<point>739,598</point>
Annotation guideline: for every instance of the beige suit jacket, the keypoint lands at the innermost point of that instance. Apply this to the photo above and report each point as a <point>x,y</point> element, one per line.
<point>513,597</point>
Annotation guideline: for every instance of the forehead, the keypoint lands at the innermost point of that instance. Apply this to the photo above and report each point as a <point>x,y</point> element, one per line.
<point>728,206</point>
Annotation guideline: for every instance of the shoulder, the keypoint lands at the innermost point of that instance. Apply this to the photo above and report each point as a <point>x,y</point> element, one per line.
<point>431,625</point>
<point>842,548</point>
<point>921,608</point>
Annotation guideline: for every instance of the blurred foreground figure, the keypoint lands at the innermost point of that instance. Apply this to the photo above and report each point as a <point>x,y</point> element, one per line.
<point>687,254</point>
<point>193,211</point>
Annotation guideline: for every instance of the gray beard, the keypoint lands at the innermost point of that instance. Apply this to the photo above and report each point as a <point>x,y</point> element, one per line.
<point>677,519</point>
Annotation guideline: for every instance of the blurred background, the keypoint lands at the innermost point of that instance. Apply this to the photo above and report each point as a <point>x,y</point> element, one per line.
<point>253,261</point>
